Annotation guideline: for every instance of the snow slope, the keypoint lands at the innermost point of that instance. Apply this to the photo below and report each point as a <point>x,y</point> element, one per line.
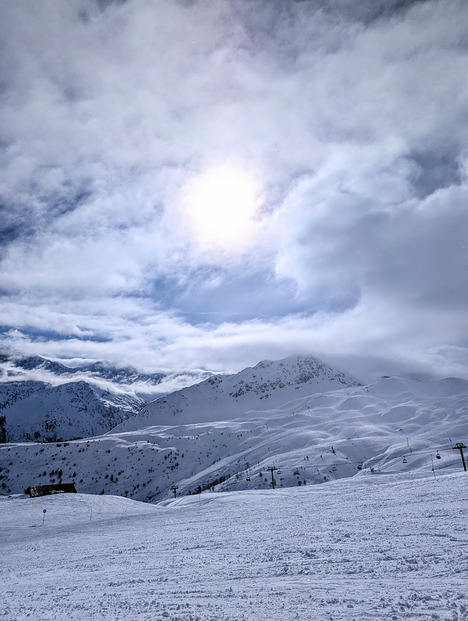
<point>387,548</point>
<point>395,425</point>
<point>222,397</point>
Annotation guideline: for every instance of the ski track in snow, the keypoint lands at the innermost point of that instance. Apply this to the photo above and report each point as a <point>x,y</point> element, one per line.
<point>390,547</point>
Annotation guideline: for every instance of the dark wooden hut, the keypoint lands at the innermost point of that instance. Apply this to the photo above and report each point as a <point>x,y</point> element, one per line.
<point>34,491</point>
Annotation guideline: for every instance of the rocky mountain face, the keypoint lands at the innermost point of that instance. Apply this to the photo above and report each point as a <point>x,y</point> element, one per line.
<point>266,386</point>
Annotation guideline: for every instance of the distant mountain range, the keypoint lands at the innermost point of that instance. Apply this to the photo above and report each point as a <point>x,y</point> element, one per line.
<point>26,367</point>
<point>45,400</point>
<point>295,421</point>
<point>292,422</point>
<point>96,370</point>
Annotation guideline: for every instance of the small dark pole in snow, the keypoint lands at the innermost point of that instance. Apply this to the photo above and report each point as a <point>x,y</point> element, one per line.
<point>461,446</point>
<point>174,489</point>
<point>44,511</point>
<point>272,469</point>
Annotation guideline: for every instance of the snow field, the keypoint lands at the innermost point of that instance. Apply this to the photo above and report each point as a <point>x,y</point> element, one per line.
<point>387,547</point>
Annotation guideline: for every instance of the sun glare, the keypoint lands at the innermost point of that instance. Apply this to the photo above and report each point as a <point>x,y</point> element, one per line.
<point>220,205</point>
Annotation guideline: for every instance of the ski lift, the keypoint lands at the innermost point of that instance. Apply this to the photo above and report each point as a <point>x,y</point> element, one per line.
<point>334,468</point>
<point>438,455</point>
<point>296,472</point>
<point>278,471</point>
<point>405,461</point>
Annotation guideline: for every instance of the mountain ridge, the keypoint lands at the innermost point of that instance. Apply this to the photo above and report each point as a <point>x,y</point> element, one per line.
<point>267,384</point>
<point>394,425</point>
<point>35,410</point>
<point>47,400</point>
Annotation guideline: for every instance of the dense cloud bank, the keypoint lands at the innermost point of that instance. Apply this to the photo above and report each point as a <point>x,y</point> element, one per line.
<point>345,121</point>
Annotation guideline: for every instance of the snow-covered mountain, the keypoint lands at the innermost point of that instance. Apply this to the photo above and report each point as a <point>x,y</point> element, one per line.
<point>395,425</point>
<point>43,412</point>
<point>146,386</point>
<point>222,397</point>
<point>43,399</point>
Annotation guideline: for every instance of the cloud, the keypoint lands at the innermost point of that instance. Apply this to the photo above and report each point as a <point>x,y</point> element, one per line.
<point>350,119</point>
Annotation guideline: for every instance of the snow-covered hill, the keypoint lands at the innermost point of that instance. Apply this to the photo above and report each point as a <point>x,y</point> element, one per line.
<point>43,412</point>
<point>395,425</point>
<point>223,397</point>
<point>369,548</point>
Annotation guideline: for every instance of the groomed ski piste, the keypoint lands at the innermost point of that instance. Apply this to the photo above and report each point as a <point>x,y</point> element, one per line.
<point>386,546</point>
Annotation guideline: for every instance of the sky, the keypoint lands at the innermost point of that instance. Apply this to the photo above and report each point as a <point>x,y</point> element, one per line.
<point>206,184</point>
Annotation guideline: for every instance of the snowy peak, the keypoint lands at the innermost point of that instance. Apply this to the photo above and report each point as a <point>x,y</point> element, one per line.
<point>268,376</point>
<point>31,363</point>
<point>267,385</point>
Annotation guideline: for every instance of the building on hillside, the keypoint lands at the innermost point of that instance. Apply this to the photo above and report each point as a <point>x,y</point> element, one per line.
<point>34,491</point>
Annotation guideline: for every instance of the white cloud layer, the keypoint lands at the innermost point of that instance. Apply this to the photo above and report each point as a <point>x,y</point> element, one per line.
<point>346,120</point>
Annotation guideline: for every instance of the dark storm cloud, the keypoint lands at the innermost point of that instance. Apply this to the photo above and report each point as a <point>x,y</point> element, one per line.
<point>350,118</point>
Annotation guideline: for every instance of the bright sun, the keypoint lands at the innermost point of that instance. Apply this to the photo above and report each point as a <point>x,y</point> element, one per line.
<point>220,205</point>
